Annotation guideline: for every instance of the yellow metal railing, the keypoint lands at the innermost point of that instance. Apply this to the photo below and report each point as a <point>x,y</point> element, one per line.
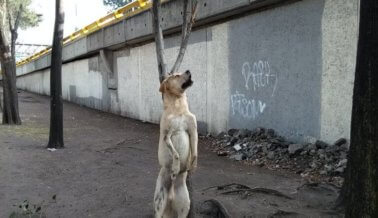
<point>130,9</point>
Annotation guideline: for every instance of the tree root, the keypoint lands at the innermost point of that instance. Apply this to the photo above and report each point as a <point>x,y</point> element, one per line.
<point>259,190</point>
<point>281,213</point>
<point>214,208</point>
<point>222,187</point>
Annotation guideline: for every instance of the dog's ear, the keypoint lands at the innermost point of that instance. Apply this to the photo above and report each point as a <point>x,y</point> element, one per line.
<point>163,87</point>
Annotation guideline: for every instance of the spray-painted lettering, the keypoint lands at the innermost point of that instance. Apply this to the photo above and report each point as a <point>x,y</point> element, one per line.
<point>260,75</point>
<point>245,107</point>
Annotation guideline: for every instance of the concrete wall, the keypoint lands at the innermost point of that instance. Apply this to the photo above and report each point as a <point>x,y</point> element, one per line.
<point>290,68</point>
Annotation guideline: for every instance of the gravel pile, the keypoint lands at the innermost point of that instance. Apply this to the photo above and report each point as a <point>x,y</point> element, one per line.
<point>263,147</point>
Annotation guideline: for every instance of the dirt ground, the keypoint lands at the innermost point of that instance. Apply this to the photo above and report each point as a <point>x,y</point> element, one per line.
<point>109,167</point>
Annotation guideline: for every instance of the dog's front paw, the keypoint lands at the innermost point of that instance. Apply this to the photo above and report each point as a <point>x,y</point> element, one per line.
<point>193,164</point>
<point>173,176</point>
<point>175,172</point>
<point>175,169</point>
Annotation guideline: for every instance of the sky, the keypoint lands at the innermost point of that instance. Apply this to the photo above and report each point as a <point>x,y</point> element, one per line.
<point>78,13</point>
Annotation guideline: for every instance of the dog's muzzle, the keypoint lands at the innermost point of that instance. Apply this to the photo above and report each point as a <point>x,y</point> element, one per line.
<point>187,83</point>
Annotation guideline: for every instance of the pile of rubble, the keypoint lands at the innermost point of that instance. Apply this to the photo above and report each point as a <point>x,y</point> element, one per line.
<point>263,147</point>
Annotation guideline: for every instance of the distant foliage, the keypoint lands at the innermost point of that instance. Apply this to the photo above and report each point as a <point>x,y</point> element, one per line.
<point>116,3</point>
<point>29,18</point>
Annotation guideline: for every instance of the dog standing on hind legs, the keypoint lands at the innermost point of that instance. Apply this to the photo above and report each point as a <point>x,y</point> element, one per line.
<point>177,148</point>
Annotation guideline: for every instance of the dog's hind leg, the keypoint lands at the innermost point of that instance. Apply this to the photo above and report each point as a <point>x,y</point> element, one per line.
<point>163,193</point>
<point>181,201</point>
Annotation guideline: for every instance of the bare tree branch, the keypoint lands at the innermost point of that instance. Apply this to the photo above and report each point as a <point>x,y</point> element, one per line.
<point>186,30</point>
<point>18,18</point>
<point>13,30</point>
<point>159,41</point>
<point>10,21</point>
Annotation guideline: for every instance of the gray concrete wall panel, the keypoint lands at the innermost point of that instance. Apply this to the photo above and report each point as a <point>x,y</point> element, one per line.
<point>290,68</point>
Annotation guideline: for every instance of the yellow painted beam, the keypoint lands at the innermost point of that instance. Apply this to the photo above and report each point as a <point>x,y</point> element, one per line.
<point>128,10</point>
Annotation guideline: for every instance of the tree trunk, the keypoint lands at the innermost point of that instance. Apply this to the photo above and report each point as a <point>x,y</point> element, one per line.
<point>159,41</point>
<point>56,116</point>
<point>10,96</point>
<point>360,190</point>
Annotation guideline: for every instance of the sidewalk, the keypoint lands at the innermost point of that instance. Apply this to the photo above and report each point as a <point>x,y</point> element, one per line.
<point>109,168</point>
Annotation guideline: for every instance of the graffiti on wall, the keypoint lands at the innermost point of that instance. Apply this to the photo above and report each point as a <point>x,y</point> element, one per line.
<point>257,77</point>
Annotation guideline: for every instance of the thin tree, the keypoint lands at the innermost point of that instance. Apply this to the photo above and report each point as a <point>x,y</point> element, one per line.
<point>14,14</point>
<point>186,30</point>
<point>56,105</point>
<point>359,194</point>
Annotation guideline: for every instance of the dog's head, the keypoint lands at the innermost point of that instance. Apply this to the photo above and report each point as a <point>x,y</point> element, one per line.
<point>176,83</point>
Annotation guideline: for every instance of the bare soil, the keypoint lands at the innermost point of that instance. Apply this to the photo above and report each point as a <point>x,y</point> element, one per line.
<point>109,167</point>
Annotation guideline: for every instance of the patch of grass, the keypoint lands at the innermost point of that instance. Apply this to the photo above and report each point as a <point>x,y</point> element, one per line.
<point>26,130</point>
<point>27,210</point>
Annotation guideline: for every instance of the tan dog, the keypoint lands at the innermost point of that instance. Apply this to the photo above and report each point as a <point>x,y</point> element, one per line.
<point>177,148</point>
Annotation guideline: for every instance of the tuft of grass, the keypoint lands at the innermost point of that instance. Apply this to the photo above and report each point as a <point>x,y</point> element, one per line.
<point>27,210</point>
<point>26,130</point>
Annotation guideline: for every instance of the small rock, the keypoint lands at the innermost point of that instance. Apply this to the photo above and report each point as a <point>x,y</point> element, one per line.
<point>271,133</point>
<point>342,162</point>
<point>313,165</point>
<point>233,140</point>
<point>265,149</point>
<point>332,149</point>
<point>237,157</point>
<point>340,170</point>
<point>294,148</point>
<point>340,142</point>
<point>321,144</point>
<point>222,153</point>
<point>258,131</point>
<point>231,132</point>
<point>221,135</point>
<point>343,155</point>
<point>321,151</point>
<point>242,133</point>
<point>270,155</point>
<point>237,147</point>
<point>313,151</point>
<point>285,144</point>
<point>344,147</point>
<point>310,147</point>
<point>328,168</point>
<point>260,164</point>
